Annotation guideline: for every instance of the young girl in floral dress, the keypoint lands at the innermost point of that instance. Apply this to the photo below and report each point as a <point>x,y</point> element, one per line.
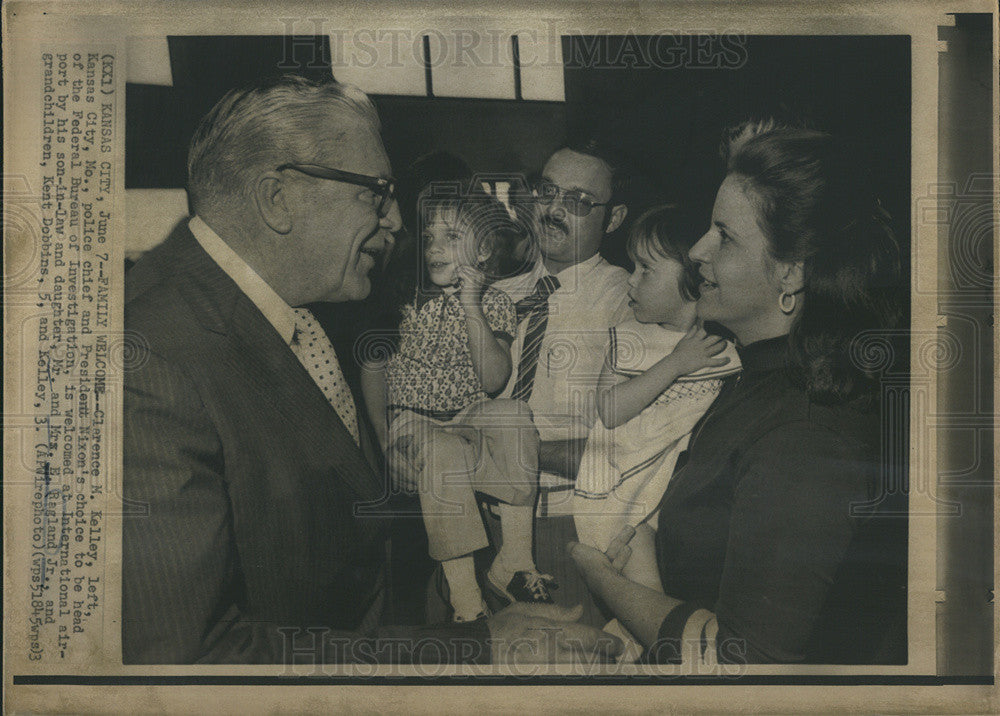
<point>431,405</point>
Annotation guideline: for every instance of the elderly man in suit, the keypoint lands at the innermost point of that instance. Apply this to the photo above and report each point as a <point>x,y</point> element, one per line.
<point>247,464</point>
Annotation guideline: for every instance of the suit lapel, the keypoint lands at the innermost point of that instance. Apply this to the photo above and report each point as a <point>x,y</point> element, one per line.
<point>369,446</point>
<point>300,400</point>
<point>223,308</point>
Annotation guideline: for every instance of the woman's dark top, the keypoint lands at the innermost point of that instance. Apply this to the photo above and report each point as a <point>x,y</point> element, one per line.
<point>779,523</point>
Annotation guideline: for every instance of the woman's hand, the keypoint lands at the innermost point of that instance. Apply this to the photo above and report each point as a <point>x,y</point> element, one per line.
<point>698,349</point>
<point>548,634</point>
<point>591,561</point>
<point>470,286</point>
<point>639,608</point>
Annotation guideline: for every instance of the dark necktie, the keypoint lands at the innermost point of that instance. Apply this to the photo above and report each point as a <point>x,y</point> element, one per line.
<point>536,308</point>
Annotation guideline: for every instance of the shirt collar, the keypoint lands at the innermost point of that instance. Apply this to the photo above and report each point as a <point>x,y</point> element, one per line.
<point>268,302</point>
<point>425,296</point>
<point>570,278</point>
<point>577,272</point>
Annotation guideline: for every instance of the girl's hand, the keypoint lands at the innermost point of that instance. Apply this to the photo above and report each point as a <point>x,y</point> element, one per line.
<point>619,552</point>
<point>471,284</point>
<point>698,349</point>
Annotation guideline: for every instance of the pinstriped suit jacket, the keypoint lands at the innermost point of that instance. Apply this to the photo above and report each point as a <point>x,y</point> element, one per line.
<point>240,480</point>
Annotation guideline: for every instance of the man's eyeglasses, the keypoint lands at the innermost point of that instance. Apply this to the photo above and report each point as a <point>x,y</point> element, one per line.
<point>576,202</point>
<point>382,188</point>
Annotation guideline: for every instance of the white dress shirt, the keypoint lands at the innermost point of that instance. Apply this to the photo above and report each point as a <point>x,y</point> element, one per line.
<point>592,297</point>
<point>278,313</point>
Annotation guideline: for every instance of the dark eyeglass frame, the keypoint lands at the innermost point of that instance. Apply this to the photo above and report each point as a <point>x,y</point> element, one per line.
<point>380,186</point>
<point>574,206</point>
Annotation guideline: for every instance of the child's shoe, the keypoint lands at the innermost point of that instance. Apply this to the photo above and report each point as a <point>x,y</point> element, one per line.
<point>481,614</point>
<point>529,586</point>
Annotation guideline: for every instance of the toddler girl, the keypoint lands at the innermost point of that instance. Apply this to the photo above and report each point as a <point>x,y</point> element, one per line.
<point>441,432</point>
<point>661,373</point>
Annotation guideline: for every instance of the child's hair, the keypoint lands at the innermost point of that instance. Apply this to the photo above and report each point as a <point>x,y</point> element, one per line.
<point>497,232</point>
<point>669,231</point>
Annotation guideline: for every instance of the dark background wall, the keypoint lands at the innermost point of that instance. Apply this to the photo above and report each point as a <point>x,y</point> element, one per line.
<point>665,100</point>
<point>670,118</point>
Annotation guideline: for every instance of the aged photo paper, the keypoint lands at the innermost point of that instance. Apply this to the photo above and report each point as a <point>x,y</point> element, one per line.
<point>101,101</point>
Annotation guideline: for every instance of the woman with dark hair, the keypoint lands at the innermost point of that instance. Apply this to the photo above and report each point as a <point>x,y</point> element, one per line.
<point>778,539</point>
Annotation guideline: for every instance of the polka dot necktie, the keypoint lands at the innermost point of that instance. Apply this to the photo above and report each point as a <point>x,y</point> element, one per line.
<point>314,350</point>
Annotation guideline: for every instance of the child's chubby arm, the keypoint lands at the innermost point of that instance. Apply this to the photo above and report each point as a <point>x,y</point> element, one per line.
<point>619,399</point>
<point>490,354</point>
<point>374,391</point>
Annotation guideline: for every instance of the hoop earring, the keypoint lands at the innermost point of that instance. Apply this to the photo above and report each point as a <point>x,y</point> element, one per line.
<point>786,302</point>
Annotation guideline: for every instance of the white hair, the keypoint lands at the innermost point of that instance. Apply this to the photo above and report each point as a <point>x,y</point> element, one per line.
<point>262,126</point>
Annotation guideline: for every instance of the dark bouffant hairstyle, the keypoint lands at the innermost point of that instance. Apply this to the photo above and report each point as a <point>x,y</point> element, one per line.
<point>816,205</point>
<point>668,230</point>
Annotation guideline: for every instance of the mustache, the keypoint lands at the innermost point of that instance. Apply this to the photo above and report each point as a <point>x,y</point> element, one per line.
<point>551,222</point>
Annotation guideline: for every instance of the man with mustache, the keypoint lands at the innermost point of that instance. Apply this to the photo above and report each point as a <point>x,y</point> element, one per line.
<point>567,302</point>
<point>247,465</point>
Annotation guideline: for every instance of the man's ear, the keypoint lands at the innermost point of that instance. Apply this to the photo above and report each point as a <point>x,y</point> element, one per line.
<point>617,216</point>
<point>269,195</point>
<point>791,275</point>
